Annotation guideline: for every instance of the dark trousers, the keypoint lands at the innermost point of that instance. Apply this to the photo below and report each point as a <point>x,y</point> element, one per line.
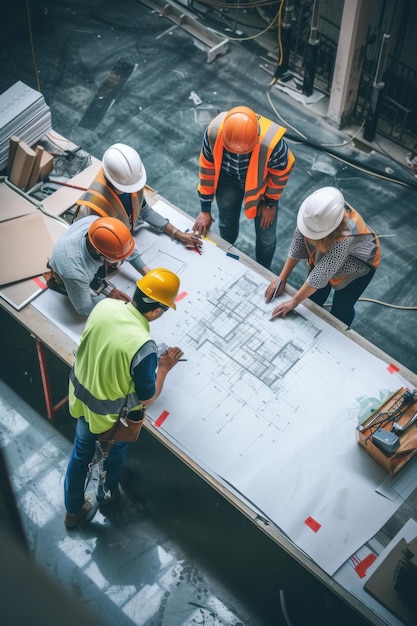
<point>229,198</point>
<point>344,300</point>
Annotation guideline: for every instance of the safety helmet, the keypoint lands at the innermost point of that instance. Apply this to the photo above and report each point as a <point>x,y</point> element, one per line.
<point>321,213</point>
<point>111,238</point>
<point>160,285</point>
<point>240,130</point>
<point>123,167</point>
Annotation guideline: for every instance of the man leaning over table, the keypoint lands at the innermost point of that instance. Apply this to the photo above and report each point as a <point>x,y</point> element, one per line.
<point>244,160</point>
<point>118,191</point>
<point>81,257</point>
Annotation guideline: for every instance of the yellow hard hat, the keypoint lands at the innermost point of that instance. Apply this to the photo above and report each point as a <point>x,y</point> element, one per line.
<point>160,285</point>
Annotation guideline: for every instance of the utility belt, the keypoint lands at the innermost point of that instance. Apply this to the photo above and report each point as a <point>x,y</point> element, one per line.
<point>99,284</point>
<point>126,428</point>
<point>54,281</point>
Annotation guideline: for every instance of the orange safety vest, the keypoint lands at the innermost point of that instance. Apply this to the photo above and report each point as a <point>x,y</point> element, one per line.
<point>357,226</point>
<point>259,179</point>
<point>102,200</point>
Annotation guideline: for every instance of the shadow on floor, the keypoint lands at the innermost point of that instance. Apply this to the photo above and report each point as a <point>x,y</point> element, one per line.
<point>174,552</point>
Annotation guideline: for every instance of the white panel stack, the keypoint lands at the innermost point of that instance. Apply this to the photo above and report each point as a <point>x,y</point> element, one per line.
<point>24,113</point>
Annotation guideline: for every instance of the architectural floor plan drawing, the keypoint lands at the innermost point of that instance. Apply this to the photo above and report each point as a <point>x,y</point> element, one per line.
<point>267,407</point>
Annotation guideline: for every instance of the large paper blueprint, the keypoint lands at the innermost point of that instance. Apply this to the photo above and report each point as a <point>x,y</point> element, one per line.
<point>269,408</point>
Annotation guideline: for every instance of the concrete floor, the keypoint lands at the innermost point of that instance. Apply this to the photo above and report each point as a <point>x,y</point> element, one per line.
<point>176,552</point>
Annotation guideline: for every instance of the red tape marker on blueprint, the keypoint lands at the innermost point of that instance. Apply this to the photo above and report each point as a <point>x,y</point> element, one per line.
<point>161,419</point>
<point>39,282</point>
<point>362,566</point>
<point>181,296</point>
<point>311,523</point>
<point>393,369</point>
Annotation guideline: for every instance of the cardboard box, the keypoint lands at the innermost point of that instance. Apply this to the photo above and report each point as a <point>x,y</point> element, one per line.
<point>398,409</point>
<point>25,246</point>
<point>383,583</point>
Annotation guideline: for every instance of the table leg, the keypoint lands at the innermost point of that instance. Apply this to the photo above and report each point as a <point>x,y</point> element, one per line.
<point>51,409</point>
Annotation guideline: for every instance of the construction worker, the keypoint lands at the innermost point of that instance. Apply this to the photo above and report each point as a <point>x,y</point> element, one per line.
<point>341,252</point>
<point>244,158</point>
<point>116,366</point>
<point>118,191</point>
<point>80,259</point>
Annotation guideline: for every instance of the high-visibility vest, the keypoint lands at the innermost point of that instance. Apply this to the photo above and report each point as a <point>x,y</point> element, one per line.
<point>100,380</point>
<point>357,227</point>
<point>259,179</point>
<point>101,199</point>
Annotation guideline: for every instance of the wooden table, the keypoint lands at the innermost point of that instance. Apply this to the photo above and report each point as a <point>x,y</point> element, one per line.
<point>46,334</point>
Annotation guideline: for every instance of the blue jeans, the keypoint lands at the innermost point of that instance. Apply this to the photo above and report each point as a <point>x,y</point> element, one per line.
<point>229,198</point>
<point>344,300</point>
<point>81,456</point>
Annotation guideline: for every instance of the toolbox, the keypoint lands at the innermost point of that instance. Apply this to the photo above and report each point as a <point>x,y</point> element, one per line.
<point>389,434</point>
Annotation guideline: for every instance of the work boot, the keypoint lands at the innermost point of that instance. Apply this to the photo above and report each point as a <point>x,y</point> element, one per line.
<point>85,514</point>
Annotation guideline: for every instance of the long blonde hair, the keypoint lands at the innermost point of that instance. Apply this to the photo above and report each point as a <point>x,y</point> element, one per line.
<point>324,244</point>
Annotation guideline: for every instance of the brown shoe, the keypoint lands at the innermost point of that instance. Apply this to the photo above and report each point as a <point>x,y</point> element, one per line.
<point>72,520</point>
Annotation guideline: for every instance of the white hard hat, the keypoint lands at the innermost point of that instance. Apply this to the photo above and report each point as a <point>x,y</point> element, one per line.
<point>123,167</point>
<point>321,212</point>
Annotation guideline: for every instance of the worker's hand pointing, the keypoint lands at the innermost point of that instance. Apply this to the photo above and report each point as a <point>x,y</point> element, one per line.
<point>282,309</point>
<point>202,224</point>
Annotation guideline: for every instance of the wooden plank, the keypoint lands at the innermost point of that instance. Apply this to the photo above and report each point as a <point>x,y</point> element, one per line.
<point>22,165</point>
<point>46,165</point>
<point>13,143</point>
<point>34,177</point>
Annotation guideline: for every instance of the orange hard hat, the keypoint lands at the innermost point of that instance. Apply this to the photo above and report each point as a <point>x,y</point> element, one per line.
<point>240,130</point>
<point>111,238</point>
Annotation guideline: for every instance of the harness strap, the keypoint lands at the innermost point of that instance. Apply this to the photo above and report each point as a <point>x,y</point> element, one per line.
<point>100,455</point>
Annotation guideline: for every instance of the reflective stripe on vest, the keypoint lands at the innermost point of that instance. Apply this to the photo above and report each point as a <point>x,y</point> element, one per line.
<point>257,173</point>
<point>256,178</point>
<point>113,335</point>
<point>101,199</point>
<point>101,407</point>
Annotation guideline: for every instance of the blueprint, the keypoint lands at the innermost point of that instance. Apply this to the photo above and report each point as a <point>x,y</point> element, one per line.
<point>267,407</point>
